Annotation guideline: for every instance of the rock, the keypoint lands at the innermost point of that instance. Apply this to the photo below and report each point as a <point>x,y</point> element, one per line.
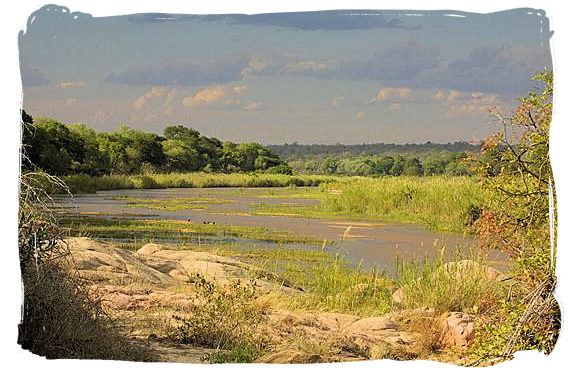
<point>457,329</point>
<point>398,295</point>
<point>374,324</point>
<point>461,268</point>
<point>360,288</point>
<point>149,249</point>
<point>375,330</point>
<point>290,356</point>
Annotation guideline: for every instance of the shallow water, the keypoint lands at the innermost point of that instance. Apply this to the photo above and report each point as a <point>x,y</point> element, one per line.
<point>373,243</point>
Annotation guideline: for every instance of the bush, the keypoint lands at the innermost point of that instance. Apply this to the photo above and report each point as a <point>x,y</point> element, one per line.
<point>224,318</point>
<point>520,220</point>
<point>463,285</point>
<point>60,318</point>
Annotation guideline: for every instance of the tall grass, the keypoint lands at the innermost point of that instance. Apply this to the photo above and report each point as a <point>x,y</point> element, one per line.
<point>441,203</point>
<point>63,319</point>
<point>89,184</point>
<point>463,285</point>
<point>61,316</point>
<point>224,318</point>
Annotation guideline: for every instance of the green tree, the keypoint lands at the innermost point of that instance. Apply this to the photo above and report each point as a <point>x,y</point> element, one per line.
<point>520,218</point>
<point>413,167</point>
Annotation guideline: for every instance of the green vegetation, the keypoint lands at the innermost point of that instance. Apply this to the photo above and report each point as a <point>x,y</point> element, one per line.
<point>89,184</point>
<point>462,286</point>
<point>61,317</point>
<point>61,149</point>
<point>225,319</point>
<point>520,220</point>
<point>440,203</point>
<point>334,287</point>
<point>149,230</point>
<point>170,204</point>
<point>379,159</point>
<point>508,206</point>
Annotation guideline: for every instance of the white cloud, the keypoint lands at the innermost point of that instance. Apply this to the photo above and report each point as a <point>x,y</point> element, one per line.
<point>473,104</point>
<point>257,105</point>
<point>153,103</point>
<point>240,89</point>
<point>142,101</point>
<point>450,96</point>
<point>169,103</point>
<point>71,84</point>
<point>392,93</point>
<point>307,65</point>
<point>205,97</point>
<point>232,103</point>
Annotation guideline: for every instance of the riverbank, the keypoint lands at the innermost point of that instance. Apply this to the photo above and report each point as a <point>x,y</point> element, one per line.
<point>438,202</point>
<point>89,184</point>
<point>224,309</point>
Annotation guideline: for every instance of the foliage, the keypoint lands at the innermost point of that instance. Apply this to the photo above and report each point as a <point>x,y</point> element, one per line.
<point>224,318</point>
<point>441,203</point>
<point>515,164</point>
<point>61,149</point>
<point>60,318</point>
<point>463,285</point>
<point>39,238</point>
<point>520,218</point>
<point>407,164</point>
<point>81,183</point>
<point>523,323</point>
<point>334,287</point>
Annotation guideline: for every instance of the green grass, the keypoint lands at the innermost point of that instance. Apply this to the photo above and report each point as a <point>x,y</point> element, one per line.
<point>448,287</point>
<point>332,286</point>
<point>170,204</point>
<point>89,184</point>
<point>439,203</point>
<point>149,230</point>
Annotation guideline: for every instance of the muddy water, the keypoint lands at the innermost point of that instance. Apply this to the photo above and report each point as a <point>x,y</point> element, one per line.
<point>374,243</point>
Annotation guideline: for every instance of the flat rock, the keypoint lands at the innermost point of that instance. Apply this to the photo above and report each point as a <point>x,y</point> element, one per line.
<point>457,329</point>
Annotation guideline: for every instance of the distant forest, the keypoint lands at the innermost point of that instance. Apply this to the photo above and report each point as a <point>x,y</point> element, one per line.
<point>63,149</point>
<point>294,150</point>
<point>378,159</point>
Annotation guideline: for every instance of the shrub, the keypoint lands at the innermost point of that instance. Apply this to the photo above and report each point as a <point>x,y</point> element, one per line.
<point>463,285</point>
<point>224,318</point>
<point>60,318</point>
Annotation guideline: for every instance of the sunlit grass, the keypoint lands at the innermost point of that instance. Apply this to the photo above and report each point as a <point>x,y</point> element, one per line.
<point>150,230</point>
<point>170,203</point>
<point>89,184</point>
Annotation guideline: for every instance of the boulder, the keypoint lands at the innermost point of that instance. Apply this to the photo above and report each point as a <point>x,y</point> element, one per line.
<point>290,356</point>
<point>457,329</point>
<point>398,295</point>
<point>375,330</point>
<point>460,269</point>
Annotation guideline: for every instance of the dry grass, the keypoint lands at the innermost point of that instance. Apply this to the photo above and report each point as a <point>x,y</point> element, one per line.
<point>61,319</point>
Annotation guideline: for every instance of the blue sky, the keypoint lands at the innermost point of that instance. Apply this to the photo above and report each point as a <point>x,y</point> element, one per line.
<point>317,77</point>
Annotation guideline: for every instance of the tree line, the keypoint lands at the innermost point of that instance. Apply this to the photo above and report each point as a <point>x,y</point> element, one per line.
<point>441,163</point>
<point>62,149</point>
<point>297,151</point>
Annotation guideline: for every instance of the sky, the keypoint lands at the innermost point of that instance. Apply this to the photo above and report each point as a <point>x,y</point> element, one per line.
<point>353,76</point>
